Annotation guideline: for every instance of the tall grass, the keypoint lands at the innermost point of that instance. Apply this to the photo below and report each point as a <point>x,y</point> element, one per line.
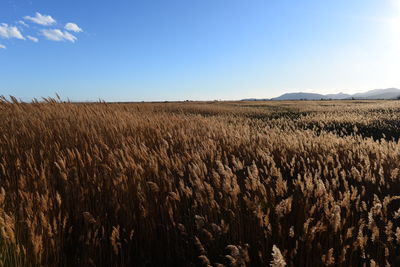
<point>199,184</point>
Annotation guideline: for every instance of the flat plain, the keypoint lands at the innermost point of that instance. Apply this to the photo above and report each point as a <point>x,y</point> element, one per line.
<point>295,183</point>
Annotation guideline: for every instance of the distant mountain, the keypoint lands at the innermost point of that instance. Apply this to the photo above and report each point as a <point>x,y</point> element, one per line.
<point>389,93</point>
<point>310,96</point>
<point>298,96</point>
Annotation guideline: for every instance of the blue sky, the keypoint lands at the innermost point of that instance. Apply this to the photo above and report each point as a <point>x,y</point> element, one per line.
<point>196,49</point>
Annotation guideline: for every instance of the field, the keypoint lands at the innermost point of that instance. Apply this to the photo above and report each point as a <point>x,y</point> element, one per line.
<point>306,183</point>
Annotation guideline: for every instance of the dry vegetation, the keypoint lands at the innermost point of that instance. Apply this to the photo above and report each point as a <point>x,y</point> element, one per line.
<point>200,184</point>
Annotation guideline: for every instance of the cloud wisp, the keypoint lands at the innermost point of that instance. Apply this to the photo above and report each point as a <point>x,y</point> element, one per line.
<point>23,23</point>
<point>9,32</point>
<point>2,46</point>
<point>44,20</point>
<point>58,35</point>
<point>72,27</point>
<point>33,39</point>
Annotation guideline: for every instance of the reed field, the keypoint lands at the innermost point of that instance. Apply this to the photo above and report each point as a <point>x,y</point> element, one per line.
<point>296,183</point>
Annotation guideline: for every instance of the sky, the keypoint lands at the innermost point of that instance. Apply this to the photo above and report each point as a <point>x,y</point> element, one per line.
<point>156,50</point>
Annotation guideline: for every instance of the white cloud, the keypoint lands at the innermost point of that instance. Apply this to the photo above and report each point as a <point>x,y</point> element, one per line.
<point>33,39</point>
<point>23,23</point>
<point>58,35</point>
<point>41,19</point>
<point>72,27</point>
<point>2,46</point>
<point>9,32</point>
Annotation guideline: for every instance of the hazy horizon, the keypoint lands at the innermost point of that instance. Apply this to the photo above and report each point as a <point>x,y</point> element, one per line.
<point>202,50</point>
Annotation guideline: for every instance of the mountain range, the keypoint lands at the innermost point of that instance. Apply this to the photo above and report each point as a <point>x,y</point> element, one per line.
<point>389,93</point>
